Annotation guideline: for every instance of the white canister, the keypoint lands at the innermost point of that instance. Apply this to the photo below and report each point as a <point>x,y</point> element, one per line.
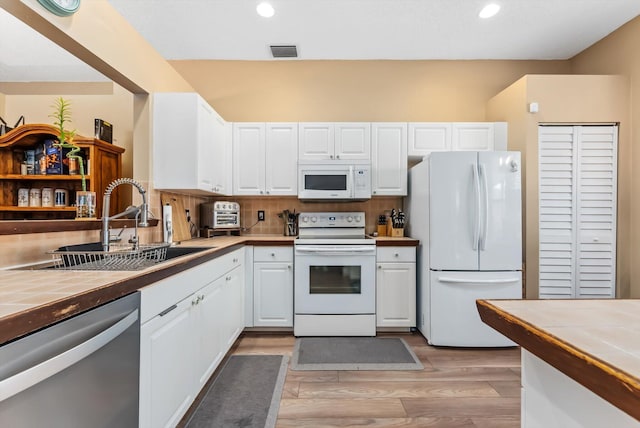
<point>61,198</point>
<point>47,197</point>
<point>23,197</point>
<point>35,198</point>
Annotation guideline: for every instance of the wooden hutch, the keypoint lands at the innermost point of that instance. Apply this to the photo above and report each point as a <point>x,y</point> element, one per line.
<point>104,165</point>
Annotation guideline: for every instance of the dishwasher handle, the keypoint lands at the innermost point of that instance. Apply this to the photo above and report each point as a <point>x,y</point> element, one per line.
<point>40,372</point>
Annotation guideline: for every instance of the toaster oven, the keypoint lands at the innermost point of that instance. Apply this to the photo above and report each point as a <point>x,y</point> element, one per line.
<point>220,215</point>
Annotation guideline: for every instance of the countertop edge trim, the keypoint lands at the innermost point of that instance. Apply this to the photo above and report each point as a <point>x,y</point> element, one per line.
<point>43,316</point>
<point>614,385</point>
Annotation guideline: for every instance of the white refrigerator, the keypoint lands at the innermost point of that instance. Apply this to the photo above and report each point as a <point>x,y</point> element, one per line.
<point>465,208</point>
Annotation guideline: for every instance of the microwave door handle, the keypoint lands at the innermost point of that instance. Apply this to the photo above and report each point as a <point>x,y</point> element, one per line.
<point>352,182</point>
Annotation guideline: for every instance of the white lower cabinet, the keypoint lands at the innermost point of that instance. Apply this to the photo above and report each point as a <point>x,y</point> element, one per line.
<point>273,287</point>
<point>396,287</point>
<point>165,392</point>
<point>189,322</point>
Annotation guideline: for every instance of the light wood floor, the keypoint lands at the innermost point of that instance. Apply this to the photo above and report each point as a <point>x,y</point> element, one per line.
<point>457,388</point>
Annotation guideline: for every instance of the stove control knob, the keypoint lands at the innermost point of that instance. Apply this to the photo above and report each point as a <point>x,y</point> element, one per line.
<point>314,219</point>
<point>305,219</point>
<point>358,218</point>
<point>349,219</point>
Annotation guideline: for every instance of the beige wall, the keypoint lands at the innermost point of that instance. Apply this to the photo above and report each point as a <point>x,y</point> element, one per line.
<point>355,90</point>
<point>2,101</point>
<point>618,54</point>
<point>115,107</point>
<point>566,99</point>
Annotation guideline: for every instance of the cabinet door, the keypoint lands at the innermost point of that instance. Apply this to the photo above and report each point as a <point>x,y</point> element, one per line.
<point>396,295</point>
<point>273,294</point>
<point>427,137</point>
<point>210,310</point>
<point>206,150</point>
<point>175,145</point>
<point>472,136</point>
<point>316,141</point>
<point>166,370</point>
<point>248,158</point>
<point>389,159</point>
<point>220,162</point>
<point>353,141</point>
<point>233,298</point>
<point>281,169</point>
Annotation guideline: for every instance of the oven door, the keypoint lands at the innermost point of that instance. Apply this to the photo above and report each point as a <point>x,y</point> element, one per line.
<point>335,279</point>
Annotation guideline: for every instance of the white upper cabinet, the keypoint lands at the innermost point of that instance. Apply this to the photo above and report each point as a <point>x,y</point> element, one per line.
<point>352,141</point>
<point>427,137</point>
<point>220,162</point>
<point>389,159</point>
<point>281,168</point>
<point>321,141</point>
<point>265,158</point>
<point>472,136</point>
<point>186,142</point>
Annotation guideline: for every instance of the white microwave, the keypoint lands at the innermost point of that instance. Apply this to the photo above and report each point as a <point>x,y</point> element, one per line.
<point>322,181</point>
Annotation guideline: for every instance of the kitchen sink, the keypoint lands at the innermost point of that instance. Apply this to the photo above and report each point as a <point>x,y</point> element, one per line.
<point>173,252</point>
<point>90,256</point>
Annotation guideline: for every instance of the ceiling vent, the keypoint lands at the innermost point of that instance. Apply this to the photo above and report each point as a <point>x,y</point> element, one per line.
<point>284,51</point>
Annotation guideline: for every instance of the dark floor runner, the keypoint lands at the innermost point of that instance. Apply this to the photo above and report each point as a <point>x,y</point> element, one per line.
<point>353,353</point>
<point>245,394</point>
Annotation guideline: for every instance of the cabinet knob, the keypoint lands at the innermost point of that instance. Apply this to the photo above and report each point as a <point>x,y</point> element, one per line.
<point>596,239</point>
<point>330,156</point>
<point>273,254</point>
<point>235,260</point>
<point>374,192</point>
<point>396,255</point>
<point>228,278</point>
<point>379,266</point>
<point>288,266</point>
<point>261,192</point>
<point>267,192</point>
<point>337,156</point>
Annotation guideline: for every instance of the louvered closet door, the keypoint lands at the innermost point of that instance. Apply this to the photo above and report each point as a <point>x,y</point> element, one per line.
<point>596,210</point>
<point>577,201</point>
<point>557,225</point>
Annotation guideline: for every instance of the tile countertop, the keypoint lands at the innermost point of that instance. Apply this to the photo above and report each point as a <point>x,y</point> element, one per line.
<point>32,299</point>
<point>594,342</point>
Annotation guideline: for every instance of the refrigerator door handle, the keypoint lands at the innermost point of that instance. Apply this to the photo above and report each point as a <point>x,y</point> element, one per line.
<point>485,213</point>
<point>451,280</point>
<point>476,223</point>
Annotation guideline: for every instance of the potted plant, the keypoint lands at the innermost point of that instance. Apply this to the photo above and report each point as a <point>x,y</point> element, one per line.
<point>85,201</point>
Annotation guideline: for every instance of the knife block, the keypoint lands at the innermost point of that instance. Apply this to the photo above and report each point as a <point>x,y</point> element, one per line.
<point>397,233</point>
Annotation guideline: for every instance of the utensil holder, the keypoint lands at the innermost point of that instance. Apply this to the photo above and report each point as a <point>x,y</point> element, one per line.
<point>397,232</point>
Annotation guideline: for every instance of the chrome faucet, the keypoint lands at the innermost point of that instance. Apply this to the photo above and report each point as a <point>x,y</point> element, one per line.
<point>141,212</point>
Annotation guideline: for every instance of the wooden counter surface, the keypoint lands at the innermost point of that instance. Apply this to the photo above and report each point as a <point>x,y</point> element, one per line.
<point>33,299</point>
<point>594,342</point>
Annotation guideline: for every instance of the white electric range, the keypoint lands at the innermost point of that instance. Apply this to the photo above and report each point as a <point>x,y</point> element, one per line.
<point>335,288</point>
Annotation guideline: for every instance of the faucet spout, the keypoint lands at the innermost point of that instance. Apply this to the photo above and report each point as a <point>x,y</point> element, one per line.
<point>141,211</point>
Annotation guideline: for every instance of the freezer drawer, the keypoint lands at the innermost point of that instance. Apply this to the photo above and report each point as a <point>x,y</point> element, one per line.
<point>452,309</point>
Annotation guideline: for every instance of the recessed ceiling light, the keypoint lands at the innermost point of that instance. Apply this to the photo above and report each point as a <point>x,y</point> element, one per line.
<point>265,10</point>
<point>489,10</point>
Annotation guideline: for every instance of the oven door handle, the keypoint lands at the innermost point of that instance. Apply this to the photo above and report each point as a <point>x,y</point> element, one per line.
<point>326,250</point>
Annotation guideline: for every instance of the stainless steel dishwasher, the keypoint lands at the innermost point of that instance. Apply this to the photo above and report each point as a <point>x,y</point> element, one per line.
<point>81,372</point>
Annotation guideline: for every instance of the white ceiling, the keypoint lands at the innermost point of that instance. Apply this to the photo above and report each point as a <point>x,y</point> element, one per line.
<point>376,29</point>
<point>332,29</point>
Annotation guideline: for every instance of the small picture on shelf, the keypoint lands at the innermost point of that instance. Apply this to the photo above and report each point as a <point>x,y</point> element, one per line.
<point>103,130</point>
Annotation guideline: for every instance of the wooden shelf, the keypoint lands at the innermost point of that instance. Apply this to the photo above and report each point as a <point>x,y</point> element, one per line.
<point>34,177</point>
<point>36,209</point>
<point>104,158</point>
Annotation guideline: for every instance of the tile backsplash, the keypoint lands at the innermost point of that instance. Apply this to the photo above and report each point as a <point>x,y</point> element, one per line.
<point>272,224</point>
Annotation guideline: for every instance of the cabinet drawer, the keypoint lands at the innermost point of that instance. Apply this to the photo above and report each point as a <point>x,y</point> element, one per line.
<point>396,254</point>
<point>272,254</point>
